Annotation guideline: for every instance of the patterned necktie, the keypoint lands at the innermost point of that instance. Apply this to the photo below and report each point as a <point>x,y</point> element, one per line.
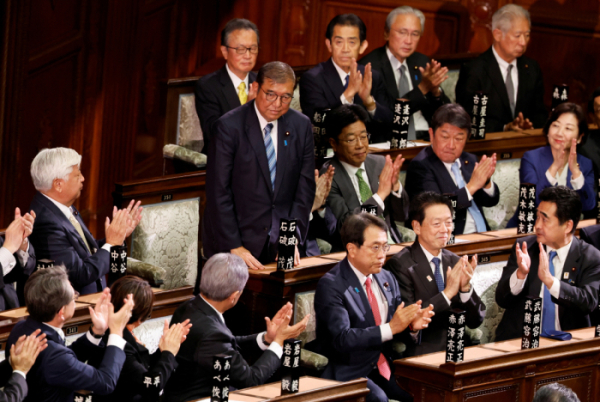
<point>79,230</point>
<point>382,363</point>
<point>439,278</point>
<point>403,89</point>
<point>510,89</point>
<point>347,81</point>
<point>473,209</point>
<point>242,94</point>
<point>363,187</point>
<point>549,308</point>
<point>271,157</point>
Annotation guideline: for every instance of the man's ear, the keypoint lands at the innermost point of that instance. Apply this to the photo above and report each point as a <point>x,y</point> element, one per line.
<point>363,46</point>
<point>328,44</point>
<point>569,226</point>
<point>333,144</point>
<point>497,34</point>
<point>416,227</point>
<point>232,297</point>
<point>224,52</point>
<point>352,249</point>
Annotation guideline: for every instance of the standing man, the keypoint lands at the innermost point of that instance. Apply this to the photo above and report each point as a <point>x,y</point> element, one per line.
<point>426,271</point>
<point>233,84</point>
<point>260,170</point>
<point>60,234</point>
<point>340,80</point>
<point>359,312</point>
<point>409,74</point>
<point>512,81</point>
<point>444,168</point>
<point>361,178</point>
<point>552,264</point>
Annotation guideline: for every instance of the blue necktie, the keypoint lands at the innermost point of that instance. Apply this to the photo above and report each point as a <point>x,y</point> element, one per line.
<point>271,158</point>
<point>549,310</point>
<point>473,209</point>
<point>347,81</point>
<point>439,278</point>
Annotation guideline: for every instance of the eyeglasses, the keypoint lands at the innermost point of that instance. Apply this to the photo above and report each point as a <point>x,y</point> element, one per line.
<point>272,97</point>
<point>354,140</point>
<point>404,33</point>
<point>376,248</point>
<point>243,49</point>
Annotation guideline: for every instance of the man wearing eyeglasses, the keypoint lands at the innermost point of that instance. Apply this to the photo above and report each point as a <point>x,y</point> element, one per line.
<point>360,312</point>
<point>406,73</point>
<point>233,84</point>
<point>360,178</point>
<point>260,170</point>
<point>426,271</point>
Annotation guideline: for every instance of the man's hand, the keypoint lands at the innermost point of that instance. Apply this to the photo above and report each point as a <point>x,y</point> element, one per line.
<point>99,314</point>
<point>24,352</point>
<point>173,337</point>
<point>454,278</point>
<point>544,268</point>
<point>117,321</point>
<point>467,274</point>
<point>28,221</point>
<point>248,258</point>
<point>253,91</point>
<point>573,165</point>
<point>396,173</point>
<point>403,316</point>
<point>15,232</point>
<point>135,216</point>
<point>385,179</point>
<point>520,123</point>
<point>482,172</point>
<point>523,261</point>
<point>423,318</point>
<point>285,331</point>
<point>432,77</point>
<point>323,187</point>
<point>364,91</point>
<point>273,324</point>
<point>116,231</point>
<point>354,82</point>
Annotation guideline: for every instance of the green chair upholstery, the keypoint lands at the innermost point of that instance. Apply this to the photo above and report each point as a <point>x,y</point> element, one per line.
<point>303,305</point>
<point>507,179</point>
<point>190,139</point>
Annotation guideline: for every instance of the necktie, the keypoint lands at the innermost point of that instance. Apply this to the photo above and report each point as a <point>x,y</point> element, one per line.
<point>510,89</point>
<point>347,81</point>
<point>79,230</point>
<point>363,187</point>
<point>382,363</point>
<point>403,89</point>
<point>473,209</point>
<point>271,158</point>
<point>549,309</point>
<point>242,94</point>
<point>439,278</point>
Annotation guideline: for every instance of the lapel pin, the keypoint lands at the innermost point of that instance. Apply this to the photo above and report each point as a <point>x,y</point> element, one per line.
<point>287,133</point>
<point>566,275</point>
<point>573,269</point>
<point>466,162</point>
<point>356,289</point>
<point>285,142</point>
<point>429,278</point>
<point>416,67</point>
<point>526,66</point>
<point>386,286</point>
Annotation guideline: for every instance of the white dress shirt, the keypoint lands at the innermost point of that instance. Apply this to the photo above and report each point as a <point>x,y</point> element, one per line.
<point>263,123</point>
<point>420,121</point>
<point>386,330</point>
<point>464,297</point>
<point>504,69</point>
<point>561,179</point>
<point>470,226</point>
<point>8,262</point>
<point>236,80</point>
<point>517,285</point>
<point>343,76</point>
<point>351,170</point>
<point>113,339</point>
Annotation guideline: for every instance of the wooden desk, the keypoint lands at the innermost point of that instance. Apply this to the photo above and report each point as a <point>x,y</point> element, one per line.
<point>501,371</point>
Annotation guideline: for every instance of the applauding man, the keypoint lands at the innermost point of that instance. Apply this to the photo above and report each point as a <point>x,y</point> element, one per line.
<point>426,271</point>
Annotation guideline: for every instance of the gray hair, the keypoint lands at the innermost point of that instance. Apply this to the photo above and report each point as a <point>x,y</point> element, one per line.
<point>277,71</point>
<point>504,17</point>
<point>46,292</point>
<point>404,10</point>
<point>51,164</point>
<point>222,275</point>
<point>555,392</point>
<point>238,24</point>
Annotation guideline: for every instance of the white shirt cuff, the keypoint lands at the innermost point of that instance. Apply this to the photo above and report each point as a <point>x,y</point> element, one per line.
<point>321,212</point>
<point>20,372</point>
<point>464,297</point>
<point>7,260</point>
<point>386,332</point>
<point>261,344</point>
<point>23,256</point>
<point>95,341</point>
<point>372,112</point>
<point>115,340</point>
<point>516,284</point>
<point>379,201</point>
<point>551,179</point>
<point>310,216</point>
<point>344,100</point>
<point>490,191</point>
<point>555,288</point>
<point>399,192</point>
<point>446,297</point>
<point>578,183</point>
<point>107,247</point>
<point>469,196</point>
<point>276,348</point>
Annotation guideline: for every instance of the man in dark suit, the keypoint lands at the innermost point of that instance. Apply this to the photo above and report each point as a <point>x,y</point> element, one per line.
<point>424,272</point>
<point>17,260</point>
<point>260,170</point>
<point>360,178</point>
<point>60,371</point>
<point>512,82</point>
<point>552,264</point>
<point>340,80</point>
<point>406,73</point>
<point>223,279</point>
<point>444,168</point>
<point>60,234</point>
<point>232,85</point>
<point>590,143</point>
<point>359,312</point>
<point>591,235</point>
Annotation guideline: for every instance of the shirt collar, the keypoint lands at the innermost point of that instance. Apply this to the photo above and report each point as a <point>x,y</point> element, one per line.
<point>430,256</point>
<point>362,278</point>
<point>394,61</point>
<point>67,211</point>
<point>58,330</point>
<point>263,122</point>
<point>562,252</point>
<point>213,307</point>
<point>501,62</point>
<point>341,72</point>
<point>449,165</point>
<point>235,79</point>
<point>352,169</point>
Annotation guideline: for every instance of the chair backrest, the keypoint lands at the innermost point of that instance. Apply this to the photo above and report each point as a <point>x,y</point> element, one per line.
<point>506,177</point>
<point>189,131</point>
<point>303,305</point>
<point>485,280</point>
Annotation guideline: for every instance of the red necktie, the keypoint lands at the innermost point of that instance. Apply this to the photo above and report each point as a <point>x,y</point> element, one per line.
<point>382,363</point>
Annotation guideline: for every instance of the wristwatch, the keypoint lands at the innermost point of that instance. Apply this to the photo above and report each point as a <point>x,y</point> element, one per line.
<point>94,335</point>
<point>264,340</point>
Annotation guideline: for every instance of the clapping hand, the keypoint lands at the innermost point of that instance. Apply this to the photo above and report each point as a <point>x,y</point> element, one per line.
<point>173,337</point>
<point>523,261</point>
<point>24,352</point>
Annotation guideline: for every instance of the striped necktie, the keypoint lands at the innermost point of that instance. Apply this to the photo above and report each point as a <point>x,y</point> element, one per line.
<point>271,157</point>
<point>473,209</point>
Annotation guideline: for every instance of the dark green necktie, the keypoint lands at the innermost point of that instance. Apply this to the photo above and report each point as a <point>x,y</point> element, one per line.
<point>363,187</point>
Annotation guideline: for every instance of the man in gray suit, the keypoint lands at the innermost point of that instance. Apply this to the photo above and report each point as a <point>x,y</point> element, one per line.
<point>360,178</point>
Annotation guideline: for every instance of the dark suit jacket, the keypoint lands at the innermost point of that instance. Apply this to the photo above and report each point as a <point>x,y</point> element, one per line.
<point>139,366</point>
<point>591,235</point>
<point>411,268</point>
<point>534,165</point>
<point>343,199</point>
<point>590,148</point>
<point>59,371</point>
<point>241,206</point>
<point>215,96</point>
<point>427,104</point>
<point>208,337</point>
<point>55,238</point>
<point>346,329</point>
<point>320,228</point>
<point>15,386</point>
<point>9,297</point>
<point>321,87</point>
<point>426,172</point>
<point>483,74</point>
<point>578,294</point>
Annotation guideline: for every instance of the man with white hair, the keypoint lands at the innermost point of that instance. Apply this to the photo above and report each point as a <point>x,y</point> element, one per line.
<point>406,73</point>
<point>513,82</point>
<point>60,234</point>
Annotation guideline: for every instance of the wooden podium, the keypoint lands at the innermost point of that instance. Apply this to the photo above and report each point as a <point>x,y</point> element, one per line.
<point>501,371</point>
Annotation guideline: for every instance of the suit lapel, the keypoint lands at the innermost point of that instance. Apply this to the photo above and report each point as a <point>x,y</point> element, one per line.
<point>332,78</point>
<point>255,138</point>
<point>535,285</point>
<point>444,179</point>
<point>356,291</point>
<point>423,269</point>
<point>228,90</point>
<point>372,174</point>
<point>386,290</point>
<point>88,236</point>
<point>345,184</point>
<point>525,84</point>
<point>282,151</point>
<point>388,74</point>
<point>493,71</point>
<point>465,168</point>
<point>572,261</point>
<point>413,71</point>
